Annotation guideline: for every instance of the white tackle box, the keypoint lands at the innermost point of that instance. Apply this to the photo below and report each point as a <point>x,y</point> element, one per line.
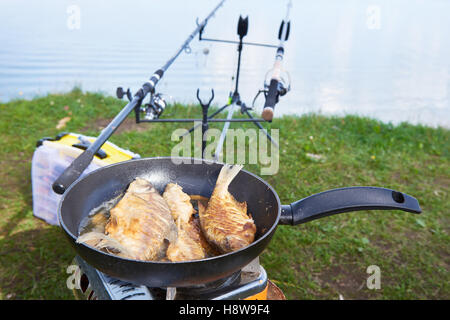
<point>52,156</point>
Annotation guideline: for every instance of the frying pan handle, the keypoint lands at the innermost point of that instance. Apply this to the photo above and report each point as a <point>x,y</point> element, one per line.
<point>344,200</point>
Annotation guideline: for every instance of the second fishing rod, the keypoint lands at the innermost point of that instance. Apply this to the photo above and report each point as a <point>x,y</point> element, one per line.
<point>278,86</point>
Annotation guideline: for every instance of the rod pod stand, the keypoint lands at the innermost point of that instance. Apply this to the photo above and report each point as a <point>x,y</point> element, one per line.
<point>242,30</point>
<point>205,126</point>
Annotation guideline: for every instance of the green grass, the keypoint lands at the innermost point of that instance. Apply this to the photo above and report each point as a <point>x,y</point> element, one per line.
<point>321,259</point>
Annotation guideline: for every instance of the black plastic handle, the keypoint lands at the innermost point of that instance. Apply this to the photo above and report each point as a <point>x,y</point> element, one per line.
<point>345,200</point>
<point>73,172</point>
<point>271,100</point>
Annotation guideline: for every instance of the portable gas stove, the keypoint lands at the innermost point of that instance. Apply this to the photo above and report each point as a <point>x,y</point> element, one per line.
<point>250,283</point>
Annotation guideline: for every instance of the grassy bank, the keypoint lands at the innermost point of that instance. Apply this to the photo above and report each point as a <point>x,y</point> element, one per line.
<point>321,259</point>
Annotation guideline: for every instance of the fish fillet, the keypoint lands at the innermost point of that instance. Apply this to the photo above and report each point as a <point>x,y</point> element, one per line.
<point>179,202</point>
<point>141,222</point>
<point>190,244</point>
<point>225,222</point>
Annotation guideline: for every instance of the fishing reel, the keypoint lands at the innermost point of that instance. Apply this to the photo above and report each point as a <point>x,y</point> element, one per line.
<point>151,110</point>
<point>284,83</point>
<point>284,86</point>
<point>154,108</point>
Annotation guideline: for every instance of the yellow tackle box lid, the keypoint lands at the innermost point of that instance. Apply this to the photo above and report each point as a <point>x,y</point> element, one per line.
<point>108,154</point>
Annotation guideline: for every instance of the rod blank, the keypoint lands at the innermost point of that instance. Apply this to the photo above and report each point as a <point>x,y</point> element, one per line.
<point>76,168</point>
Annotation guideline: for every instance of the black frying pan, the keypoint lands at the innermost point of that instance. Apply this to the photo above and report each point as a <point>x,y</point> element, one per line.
<point>199,177</point>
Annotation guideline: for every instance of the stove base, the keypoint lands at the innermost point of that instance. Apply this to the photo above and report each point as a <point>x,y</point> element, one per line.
<point>251,283</point>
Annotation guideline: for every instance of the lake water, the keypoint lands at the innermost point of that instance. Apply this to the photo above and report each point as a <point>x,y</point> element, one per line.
<point>388,60</point>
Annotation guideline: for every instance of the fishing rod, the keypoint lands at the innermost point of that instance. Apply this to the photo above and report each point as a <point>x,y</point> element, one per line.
<point>76,168</point>
<point>277,86</point>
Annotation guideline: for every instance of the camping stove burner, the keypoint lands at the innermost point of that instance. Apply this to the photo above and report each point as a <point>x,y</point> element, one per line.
<point>250,282</point>
<point>210,287</point>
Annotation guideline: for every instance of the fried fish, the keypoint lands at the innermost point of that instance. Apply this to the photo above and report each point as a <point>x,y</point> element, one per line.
<point>184,248</point>
<point>225,222</point>
<point>178,202</point>
<point>190,244</point>
<point>140,225</point>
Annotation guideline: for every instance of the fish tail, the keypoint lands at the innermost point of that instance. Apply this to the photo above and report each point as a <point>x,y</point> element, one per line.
<point>227,174</point>
<point>100,241</point>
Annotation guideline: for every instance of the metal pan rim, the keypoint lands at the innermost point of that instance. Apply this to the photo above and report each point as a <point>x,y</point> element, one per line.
<point>74,238</point>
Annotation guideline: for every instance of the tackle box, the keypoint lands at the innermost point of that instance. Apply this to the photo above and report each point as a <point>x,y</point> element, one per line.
<point>52,156</point>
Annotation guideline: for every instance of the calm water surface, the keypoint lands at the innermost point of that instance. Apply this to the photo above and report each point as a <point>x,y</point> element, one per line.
<point>389,60</point>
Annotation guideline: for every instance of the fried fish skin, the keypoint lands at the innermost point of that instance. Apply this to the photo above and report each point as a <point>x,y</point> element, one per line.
<point>225,222</point>
<point>185,248</point>
<point>178,202</point>
<point>141,222</point>
<point>190,244</point>
<point>195,231</point>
